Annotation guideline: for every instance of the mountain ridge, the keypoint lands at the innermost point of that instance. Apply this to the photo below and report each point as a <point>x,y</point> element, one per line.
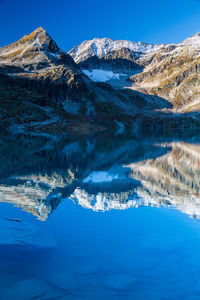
<point>45,82</point>
<point>102,46</point>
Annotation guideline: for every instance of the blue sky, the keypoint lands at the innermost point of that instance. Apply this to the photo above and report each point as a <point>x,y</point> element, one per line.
<point>70,22</point>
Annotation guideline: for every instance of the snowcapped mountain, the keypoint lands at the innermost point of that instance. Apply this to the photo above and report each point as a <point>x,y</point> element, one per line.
<point>102,46</point>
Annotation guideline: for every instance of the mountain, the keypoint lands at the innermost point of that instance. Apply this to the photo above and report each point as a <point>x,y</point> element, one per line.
<point>108,54</point>
<point>35,51</point>
<point>170,72</point>
<point>36,57</point>
<point>173,74</point>
<point>35,75</point>
<point>44,91</point>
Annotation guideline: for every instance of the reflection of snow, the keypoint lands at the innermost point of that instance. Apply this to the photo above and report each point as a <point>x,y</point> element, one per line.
<point>100,176</point>
<point>106,201</point>
<point>102,75</point>
<point>71,107</point>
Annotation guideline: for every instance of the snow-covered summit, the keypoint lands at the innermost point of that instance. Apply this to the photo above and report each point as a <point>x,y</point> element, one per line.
<point>103,46</point>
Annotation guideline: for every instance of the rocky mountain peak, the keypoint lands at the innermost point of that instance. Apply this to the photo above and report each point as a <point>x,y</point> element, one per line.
<point>41,39</point>
<point>34,51</point>
<point>34,33</point>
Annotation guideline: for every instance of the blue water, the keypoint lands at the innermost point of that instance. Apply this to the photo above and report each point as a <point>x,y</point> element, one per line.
<point>112,230</point>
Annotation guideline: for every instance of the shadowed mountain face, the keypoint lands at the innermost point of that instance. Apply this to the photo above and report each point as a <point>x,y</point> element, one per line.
<point>101,173</point>
<point>123,60</point>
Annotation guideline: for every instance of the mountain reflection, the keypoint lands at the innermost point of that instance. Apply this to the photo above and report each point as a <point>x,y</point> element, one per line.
<point>100,173</point>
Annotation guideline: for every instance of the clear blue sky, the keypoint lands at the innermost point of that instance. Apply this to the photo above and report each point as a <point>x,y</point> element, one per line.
<point>70,22</point>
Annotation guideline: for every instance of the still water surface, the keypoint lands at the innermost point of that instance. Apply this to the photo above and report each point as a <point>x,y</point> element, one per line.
<point>105,217</point>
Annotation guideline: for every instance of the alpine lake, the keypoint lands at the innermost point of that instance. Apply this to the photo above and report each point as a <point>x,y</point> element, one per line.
<point>106,216</point>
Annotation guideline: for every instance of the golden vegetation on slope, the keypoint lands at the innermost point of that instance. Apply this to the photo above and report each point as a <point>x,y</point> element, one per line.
<point>174,76</point>
<point>31,36</point>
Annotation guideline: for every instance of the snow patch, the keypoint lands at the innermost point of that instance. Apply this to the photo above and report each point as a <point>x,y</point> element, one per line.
<point>71,107</point>
<point>101,176</point>
<point>120,126</point>
<point>102,75</point>
<point>37,43</point>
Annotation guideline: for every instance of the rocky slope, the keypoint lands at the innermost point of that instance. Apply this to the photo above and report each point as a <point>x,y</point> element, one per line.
<point>173,74</point>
